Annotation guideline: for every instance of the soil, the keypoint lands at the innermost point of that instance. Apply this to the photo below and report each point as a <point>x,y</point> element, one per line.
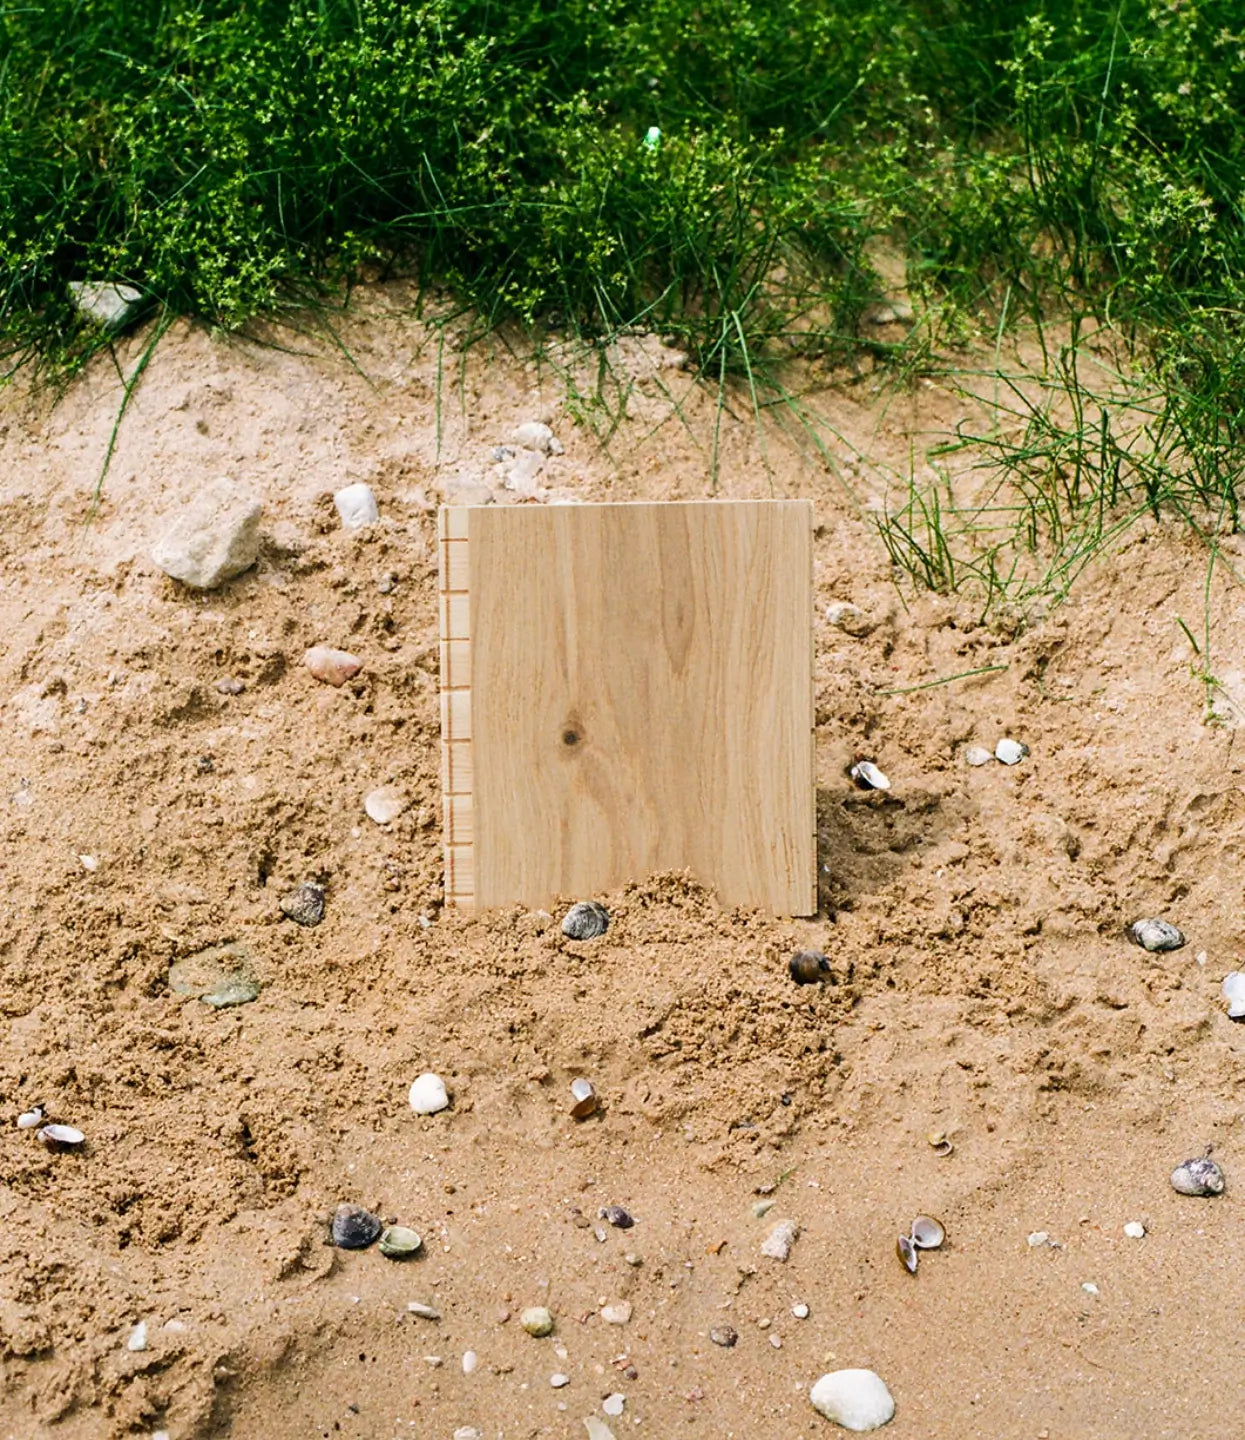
<point>171,770</point>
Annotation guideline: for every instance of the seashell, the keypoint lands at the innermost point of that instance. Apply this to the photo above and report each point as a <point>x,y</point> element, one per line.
<point>333,667</point>
<point>1156,935</point>
<point>854,1399</point>
<point>471,1362</point>
<point>30,1118</point>
<point>61,1137</point>
<point>428,1094</point>
<point>537,1321</point>
<point>940,1144</point>
<point>1233,991</point>
<point>585,1098</point>
<point>1198,1177</point>
<point>617,1314</point>
<point>800,1311</point>
<point>865,775</point>
<point>305,905</point>
<point>399,1241</point>
<point>978,755</point>
<point>354,1228</point>
<point>384,804</point>
<point>619,1218</point>
<point>808,967</point>
<point>1038,1238</point>
<point>614,1404</point>
<point>725,1335</point>
<point>907,1253</point>
<point>585,921</point>
<point>1010,752</point>
<point>1135,1230</point>
<point>927,1233</point>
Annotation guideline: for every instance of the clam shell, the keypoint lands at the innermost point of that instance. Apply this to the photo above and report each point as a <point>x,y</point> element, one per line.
<point>978,755</point>
<point>399,1241</point>
<point>927,1233</point>
<point>428,1094</point>
<point>1233,991</point>
<point>907,1253</point>
<point>865,775</point>
<point>619,1218</point>
<point>61,1137</point>
<point>1010,752</point>
<point>585,921</point>
<point>1198,1177</point>
<point>808,967</point>
<point>1156,935</point>
<point>354,1228</point>
<point>30,1118</point>
<point>585,1098</point>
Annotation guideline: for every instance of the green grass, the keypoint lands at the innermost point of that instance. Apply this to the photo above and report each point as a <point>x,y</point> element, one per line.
<point>1044,159</point>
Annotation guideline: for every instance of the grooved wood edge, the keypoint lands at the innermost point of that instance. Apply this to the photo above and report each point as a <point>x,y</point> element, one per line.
<point>454,610</point>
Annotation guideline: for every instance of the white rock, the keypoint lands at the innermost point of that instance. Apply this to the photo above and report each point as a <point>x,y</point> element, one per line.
<point>534,436</point>
<point>160,1435</point>
<point>800,1311</point>
<point>1039,1238</point>
<point>1233,991</point>
<point>613,1404</point>
<point>385,803</point>
<point>1010,752</point>
<point>617,1314</point>
<point>597,1429</point>
<point>470,1362</point>
<point>333,667</point>
<point>855,1399</point>
<point>138,1337</point>
<point>357,506</point>
<point>215,537</point>
<point>89,863</point>
<point>777,1244</point>
<point>521,473</point>
<point>978,755</point>
<point>1089,1287</point>
<point>112,306</point>
<point>428,1094</point>
<point>1135,1230</point>
<point>467,1432</point>
<point>425,1312</point>
<point>849,618</point>
<point>559,1380</point>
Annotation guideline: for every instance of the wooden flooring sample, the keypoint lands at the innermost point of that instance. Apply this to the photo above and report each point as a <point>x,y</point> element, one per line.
<point>626,689</point>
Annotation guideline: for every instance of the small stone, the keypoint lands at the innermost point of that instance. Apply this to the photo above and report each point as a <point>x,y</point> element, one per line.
<point>333,667</point>
<point>470,1362</point>
<point>808,967</point>
<point>111,306</point>
<point>613,1404</point>
<point>777,1244</point>
<point>1135,1230</point>
<point>220,970</point>
<point>213,538</point>
<point>597,1429</point>
<point>89,863</point>
<point>619,1218</point>
<point>1010,752</point>
<point>357,506</point>
<point>559,1380</point>
<point>385,804</point>
<point>1039,1238</point>
<point>434,1360</point>
<point>978,755</point>
<point>399,1241</point>
<point>762,1208</point>
<point>224,996</point>
<point>1198,1177</point>
<point>849,618</point>
<point>856,1399</point>
<point>800,1311</point>
<point>533,435</point>
<point>522,472</point>
<point>537,1321</point>
<point>725,1335</point>
<point>617,1314</point>
<point>468,1432</point>
<point>585,921</point>
<point>231,685</point>
<point>304,905</point>
<point>428,1094</point>
<point>138,1337</point>
<point>1156,935</point>
<point>425,1312</point>
<point>1089,1287</point>
<point>354,1228</point>
<point>633,1259</point>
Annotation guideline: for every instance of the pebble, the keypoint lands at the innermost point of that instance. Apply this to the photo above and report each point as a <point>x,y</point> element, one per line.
<point>29,1119</point>
<point>777,1244</point>
<point>333,667</point>
<point>1198,1177</point>
<point>856,1399</point>
<point>800,1311</point>
<point>559,1380</point>
<point>537,1321</point>
<point>470,1362</point>
<point>468,1432</point>
<point>112,306</point>
<point>425,1312</point>
<point>385,804</point>
<point>597,1429</point>
<point>978,755</point>
<point>849,618</point>
<point>613,1404</point>
<point>617,1314</point>
<point>762,1208</point>
<point>1089,1287</point>
<point>304,904</point>
<point>230,685</point>
<point>357,506</point>
<point>1039,1238</point>
<point>619,1218</point>
<point>725,1335</point>
<point>1135,1230</point>
<point>633,1259</point>
<point>213,538</point>
<point>1010,752</point>
<point>399,1241</point>
<point>354,1228</point>
<point>228,993</point>
<point>1156,935</point>
<point>585,921</point>
<point>534,435</point>
<point>222,972</point>
<point>138,1337</point>
<point>522,472</point>
<point>428,1094</point>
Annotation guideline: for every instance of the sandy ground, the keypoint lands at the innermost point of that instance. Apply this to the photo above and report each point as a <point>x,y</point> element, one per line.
<point>981,981</point>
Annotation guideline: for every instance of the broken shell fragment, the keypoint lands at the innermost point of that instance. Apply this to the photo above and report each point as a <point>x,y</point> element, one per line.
<point>1198,1177</point>
<point>865,775</point>
<point>1010,752</point>
<point>585,921</point>
<point>384,804</point>
<point>1156,935</point>
<point>941,1145</point>
<point>808,967</point>
<point>537,1321</point>
<point>30,1118</point>
<point>1233,992</point>
<point>428,1094</point>
<point>927,1233</point>
<point>907,1253</point>
<point>854,1399</point>
<point>61,1137</point>
<point>354,1228</point>
<point>978,755</point>
<point>399,1241</point>
<point>619,1218</point>
<point>585,1098</point>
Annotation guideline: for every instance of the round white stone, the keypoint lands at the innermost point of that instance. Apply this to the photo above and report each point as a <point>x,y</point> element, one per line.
<point>800,1311</point>
<point>1135,1230</point>
<point>533,435</point>
<point>385,803</point>
<point>855,1399</point>
<point>138,1337</point>
<point>470,1361</point>
<point>428,1095</point>
<point>559,1380</point>
<point>1038,1237</point>
<point>357,506</point>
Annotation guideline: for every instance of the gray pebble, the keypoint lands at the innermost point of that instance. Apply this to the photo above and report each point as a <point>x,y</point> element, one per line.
<point>725,1335</point>
<point>619,1218</point>
<point>585,921</point>
<point>305,905</point>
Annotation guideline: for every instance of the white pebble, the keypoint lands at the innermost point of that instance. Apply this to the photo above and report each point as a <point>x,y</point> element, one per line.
<point>597,1429</point>
<point>849,618</point>
<point>428,1094</point>
<point>1039,1237</point>
<point>559,1380</point>
<point>855,1399</point>
<point>613,1404</point>
<point>213,538</point>
<point>89,863</point>
<point>109,305</point>
<point>978,755</point>
<point>357,506</point>
<point>333,667</point>
<point>385,803</point>
<point>30,1118</point>
<point>777,1244</point>
<point>1233,991</point>
<point>800,1311</point>
<point>1135,1230</point>
<point>467,1432</point>
<point>470,1361</point>
<point>425,1312</point>
<point>1089,1287</point>
<point>616,1314</point>
<point>533,435</point>
<point>160,1435</point>
<point>1010,752</point>
<point>138,1337</point>
<point>776,1341</point>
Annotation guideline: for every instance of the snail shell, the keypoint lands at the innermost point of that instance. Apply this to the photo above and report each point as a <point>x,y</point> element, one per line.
<point>807,967</point>
<point>1198,1177</point>
<point>1233,992</point>
<point>585,921</point>
<point>354,1228</point>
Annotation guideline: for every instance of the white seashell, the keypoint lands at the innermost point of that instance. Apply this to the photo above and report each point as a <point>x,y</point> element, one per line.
<point>61,1137</point>
<point>907,1253</point>
<point>585,1098</point>
<point>425,1312</point>
<point>978,755</point>
<point>89,863</point>
<point>1155,935</point>
<point>30,1118</point>
<point>597,1429</point>
<point>1010,752</point>
<point>385,803</point>
<point>1233,991</point>
<point>800,1311</point>
<point>559,1380</point>
<point>928,1233</point>
<point>428,1094</point>
<point>866,776</point>
<point>616,1314</point>
<point>1039,1238</point>
<point>856,1399</point>
<point>357,506</point>
<point>138,1337</point>
<point>613,1404</point>
<point>1089,1287</point>
<point>1135,1230</point>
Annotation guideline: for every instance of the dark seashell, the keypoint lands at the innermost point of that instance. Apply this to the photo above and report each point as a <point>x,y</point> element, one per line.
<point>305,905</point>
<point>907,1252</point>
<point>585,921</point>
<point>1198,1177</point>
<point>354,1228</point>
<point>619,1218</point>
<point>808,967</point>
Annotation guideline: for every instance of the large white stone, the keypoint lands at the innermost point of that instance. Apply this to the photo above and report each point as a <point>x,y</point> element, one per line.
<point>855,1399</point>
<point>215,537</point>
<point>357,506</point>
<point>110,306</point>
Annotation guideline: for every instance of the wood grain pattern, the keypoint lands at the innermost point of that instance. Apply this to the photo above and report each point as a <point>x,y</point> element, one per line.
<point>640,699</point>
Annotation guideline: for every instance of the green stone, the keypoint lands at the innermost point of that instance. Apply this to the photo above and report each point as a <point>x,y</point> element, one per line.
<point>231,992</point>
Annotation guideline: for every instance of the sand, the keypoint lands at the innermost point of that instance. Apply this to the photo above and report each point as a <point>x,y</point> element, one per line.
<point>981,982</point>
